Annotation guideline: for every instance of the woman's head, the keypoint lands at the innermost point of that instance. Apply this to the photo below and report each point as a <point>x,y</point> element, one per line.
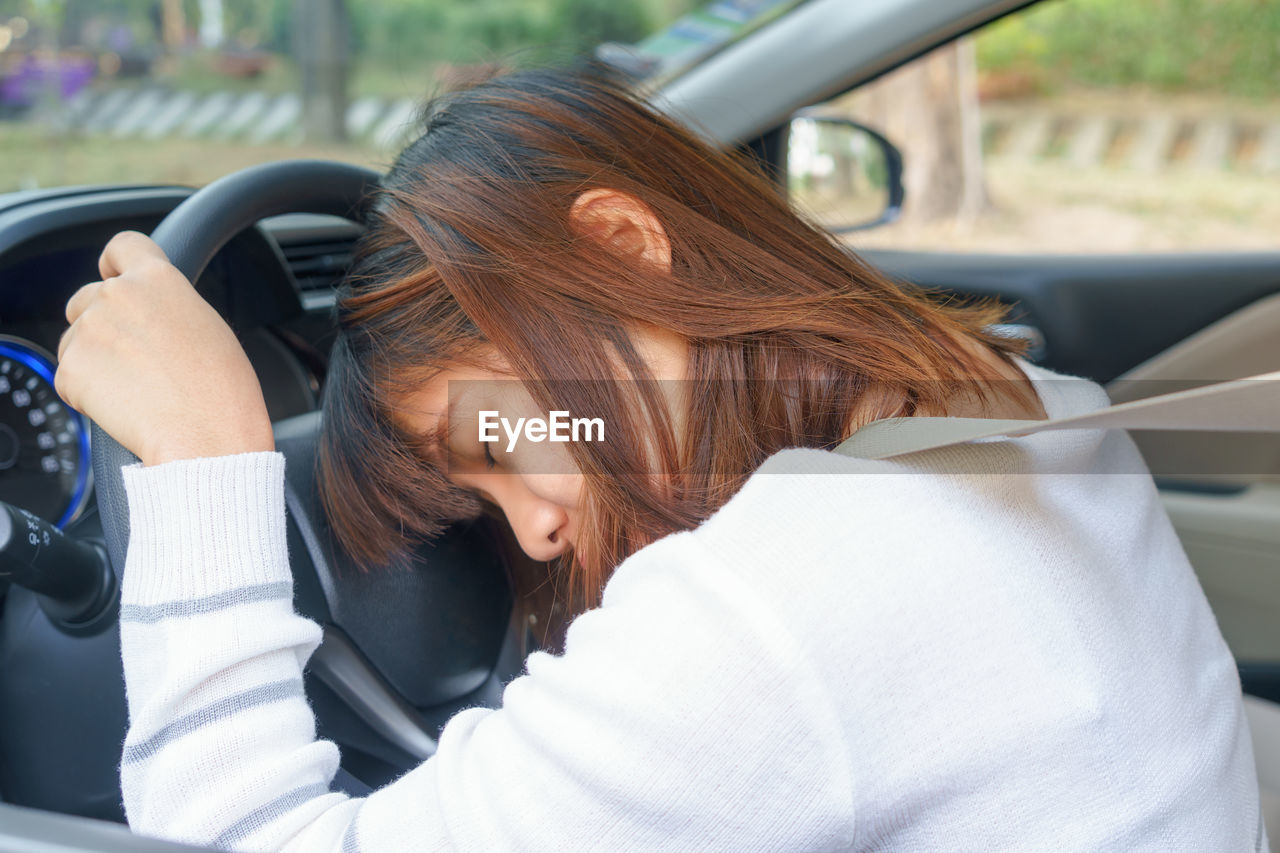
<point>549,227</point>
<point>486,432</point>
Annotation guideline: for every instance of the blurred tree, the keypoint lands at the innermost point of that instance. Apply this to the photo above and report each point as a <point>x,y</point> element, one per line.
<point>321,33</point>
<point>929,109</point>
<point>172,23</point>
<point>498,26</point>
<point>1181,45</point>
<point>583,24</point>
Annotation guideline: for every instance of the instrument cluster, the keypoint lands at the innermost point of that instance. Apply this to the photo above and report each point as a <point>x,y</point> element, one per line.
<point>45,466</point>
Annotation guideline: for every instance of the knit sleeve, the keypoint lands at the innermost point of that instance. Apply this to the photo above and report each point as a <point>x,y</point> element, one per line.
<point>681,716</point>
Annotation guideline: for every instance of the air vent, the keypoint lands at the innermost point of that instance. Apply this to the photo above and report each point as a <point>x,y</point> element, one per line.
<point>319,266</point>
<point>317,250</point>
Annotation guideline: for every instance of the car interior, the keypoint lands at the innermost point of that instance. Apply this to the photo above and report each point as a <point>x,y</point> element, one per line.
<point>404,649</point>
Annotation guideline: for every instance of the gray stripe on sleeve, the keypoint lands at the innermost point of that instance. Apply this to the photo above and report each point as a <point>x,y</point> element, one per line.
<point>148,614</point>
<point>350,844</point>
<point>274,692</point>
<point>264,815</point>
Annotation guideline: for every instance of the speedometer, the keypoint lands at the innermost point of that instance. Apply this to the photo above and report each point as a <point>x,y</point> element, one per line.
<point>44,443</point>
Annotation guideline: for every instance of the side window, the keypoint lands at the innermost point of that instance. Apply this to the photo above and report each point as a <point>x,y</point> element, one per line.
<point>1076,126</point>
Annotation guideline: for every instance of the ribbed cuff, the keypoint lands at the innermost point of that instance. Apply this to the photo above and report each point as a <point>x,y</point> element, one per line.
<point>203,526</point>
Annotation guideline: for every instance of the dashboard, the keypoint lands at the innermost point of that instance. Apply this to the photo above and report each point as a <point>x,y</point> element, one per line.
<point>49,246</point>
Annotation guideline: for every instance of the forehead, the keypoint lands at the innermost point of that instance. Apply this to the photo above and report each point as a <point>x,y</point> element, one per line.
<point>419,409</point>
<point>423,411</point>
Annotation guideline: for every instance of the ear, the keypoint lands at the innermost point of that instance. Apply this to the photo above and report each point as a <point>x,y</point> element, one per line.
<point>623,224</point>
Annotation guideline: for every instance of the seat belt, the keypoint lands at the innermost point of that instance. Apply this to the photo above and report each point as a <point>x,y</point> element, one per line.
<point>1241,405</point>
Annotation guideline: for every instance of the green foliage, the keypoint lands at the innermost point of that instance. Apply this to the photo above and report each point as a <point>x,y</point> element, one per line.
<point>587,23</point>
<point>401,31</point>
<point>463,31</point>
<point>1227,46</point>
<point>420,30</point>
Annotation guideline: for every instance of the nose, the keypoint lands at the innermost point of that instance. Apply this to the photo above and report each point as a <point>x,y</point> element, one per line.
<point>541,527</point>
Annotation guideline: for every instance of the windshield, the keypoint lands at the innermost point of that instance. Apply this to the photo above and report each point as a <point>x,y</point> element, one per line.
<point>184,91</point>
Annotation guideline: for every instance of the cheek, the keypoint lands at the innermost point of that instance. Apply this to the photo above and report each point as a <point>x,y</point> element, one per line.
<point>563,490</point>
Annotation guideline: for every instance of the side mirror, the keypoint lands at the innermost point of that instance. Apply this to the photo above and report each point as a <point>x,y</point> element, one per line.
<point>844,174</point>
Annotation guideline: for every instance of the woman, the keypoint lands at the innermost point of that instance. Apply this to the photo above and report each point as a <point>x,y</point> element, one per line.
<point>782,647</point>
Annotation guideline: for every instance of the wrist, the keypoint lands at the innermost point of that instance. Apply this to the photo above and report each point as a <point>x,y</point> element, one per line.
<point>202,446</point>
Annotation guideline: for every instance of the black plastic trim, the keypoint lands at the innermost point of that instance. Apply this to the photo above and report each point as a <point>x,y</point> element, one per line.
<point>1100,314</point>
<point>1260,679</point>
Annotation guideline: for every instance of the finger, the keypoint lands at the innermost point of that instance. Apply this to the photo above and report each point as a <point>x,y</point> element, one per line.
<point>63,374</point>
<point>64,342</point>
<point>80,300</point>
<point>126,249</point>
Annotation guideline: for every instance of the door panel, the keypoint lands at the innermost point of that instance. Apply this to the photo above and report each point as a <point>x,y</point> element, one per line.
<point>1233,541</point>
<point>1100,315</point>
<point>1244,343</point>
<point>1146,324</point>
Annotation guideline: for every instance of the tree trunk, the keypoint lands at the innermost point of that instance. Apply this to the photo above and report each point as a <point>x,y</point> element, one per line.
<point>929,109</point>
<point>174,25</point>
<point>321,31</point>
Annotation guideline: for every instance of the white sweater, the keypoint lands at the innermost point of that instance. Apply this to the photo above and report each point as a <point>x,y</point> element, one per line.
<point>849,655</point>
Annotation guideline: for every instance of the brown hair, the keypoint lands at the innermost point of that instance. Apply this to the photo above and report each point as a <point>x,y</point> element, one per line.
<point>470,246</point>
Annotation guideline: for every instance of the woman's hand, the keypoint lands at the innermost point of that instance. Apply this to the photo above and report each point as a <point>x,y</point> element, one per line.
<point>154,365</point>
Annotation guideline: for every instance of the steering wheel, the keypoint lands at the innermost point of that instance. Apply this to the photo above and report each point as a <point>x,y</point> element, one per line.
<point>191,235</point>
<point>402,650</point>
